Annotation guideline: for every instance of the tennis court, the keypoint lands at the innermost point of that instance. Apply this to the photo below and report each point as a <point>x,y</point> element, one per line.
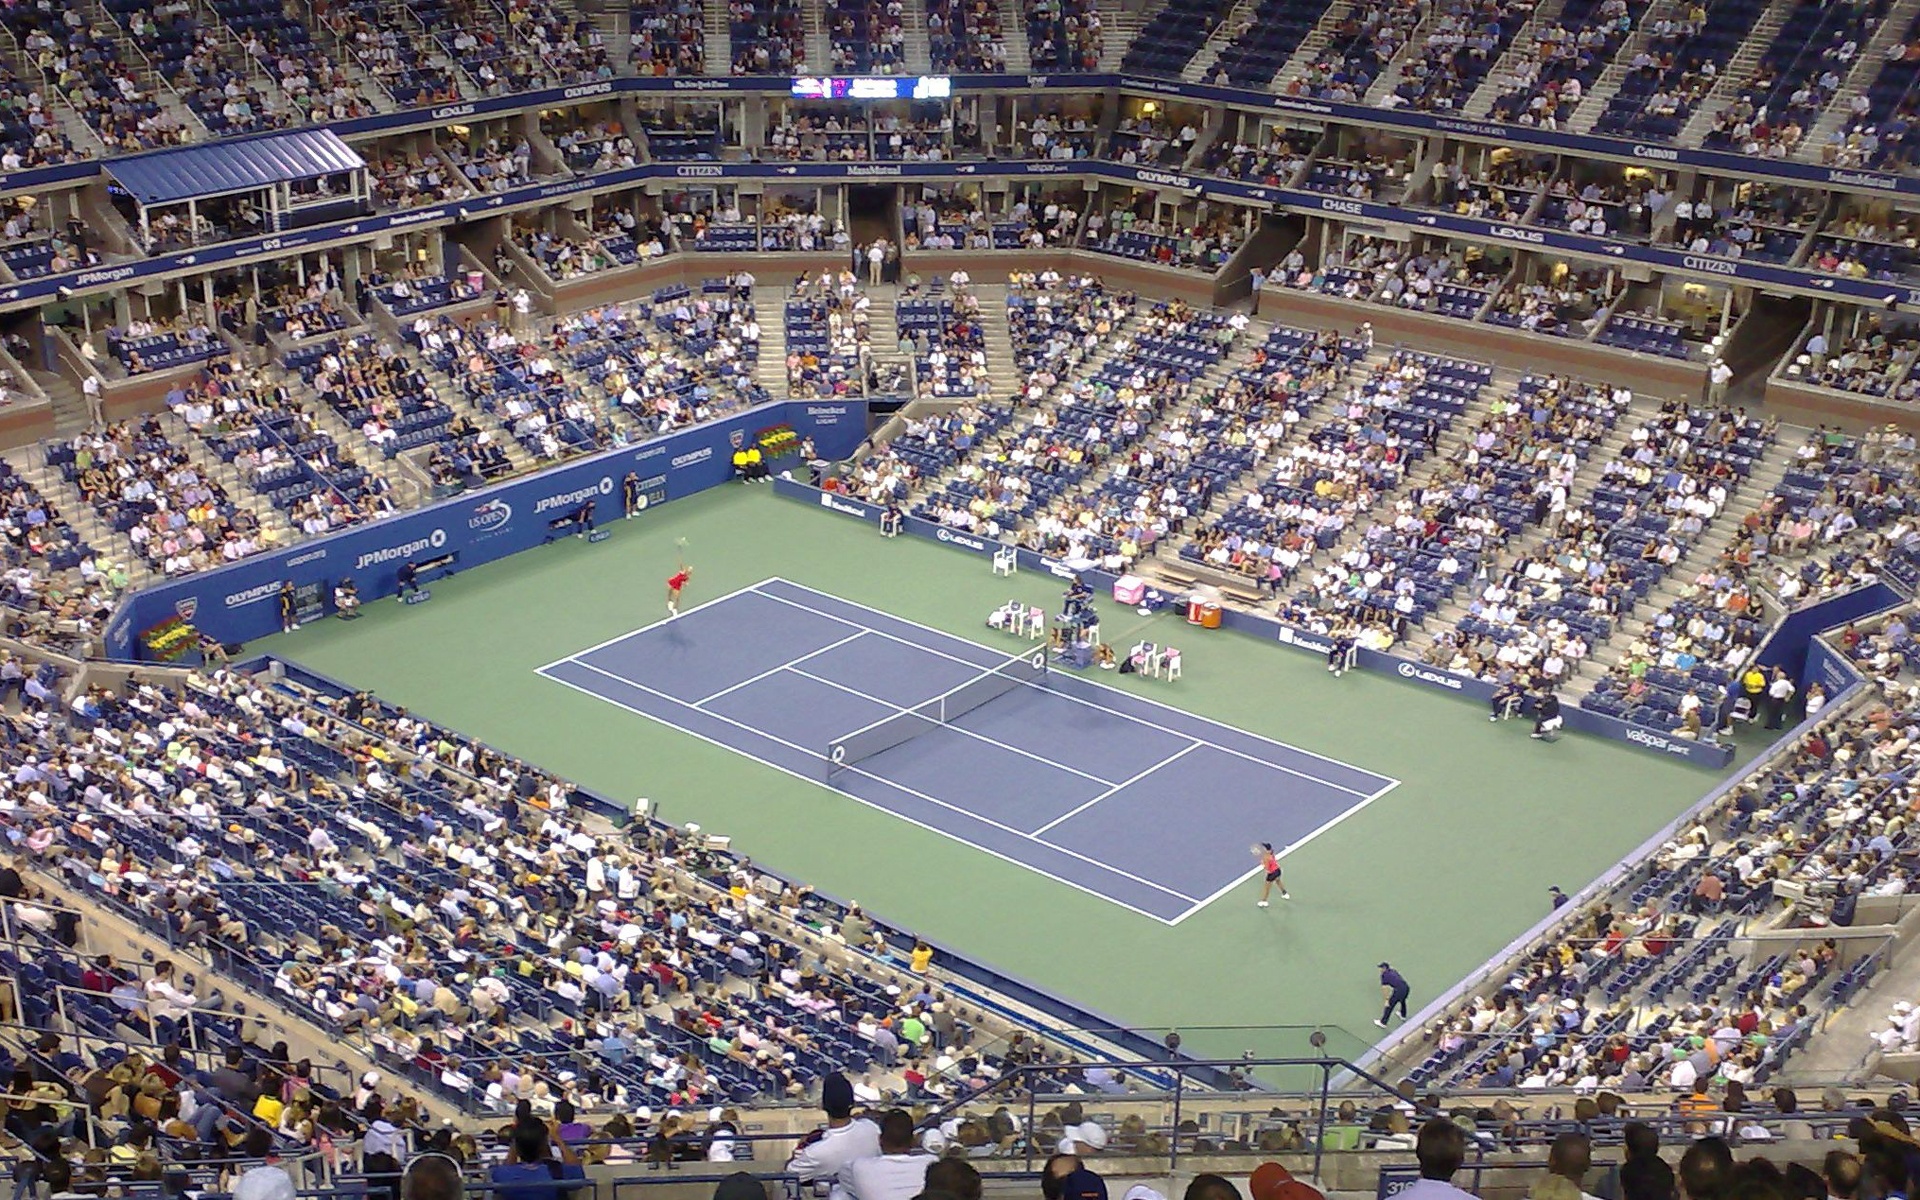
<point>1127,799</point>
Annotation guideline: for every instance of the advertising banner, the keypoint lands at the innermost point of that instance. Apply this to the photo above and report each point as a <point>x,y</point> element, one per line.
<point>1706,754</point>
<point>240,602</point>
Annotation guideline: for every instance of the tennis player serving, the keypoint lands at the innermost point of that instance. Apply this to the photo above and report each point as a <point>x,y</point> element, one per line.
<point>1270,863</point>
<point>677,581</point>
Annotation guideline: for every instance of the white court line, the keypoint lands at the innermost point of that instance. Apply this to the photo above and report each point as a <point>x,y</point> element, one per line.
<point>752,588</point>
<point>1125,783</point>
<point>852,637</point>
<point>934,800</point>
<point>1265,762</point>
<point>1285,851</point>
<point>873,804</point>
<point>1092,683</point>
<point>1106,783</point>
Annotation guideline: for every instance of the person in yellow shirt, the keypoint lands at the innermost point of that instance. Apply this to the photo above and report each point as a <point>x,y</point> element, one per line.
<point>921,959</point>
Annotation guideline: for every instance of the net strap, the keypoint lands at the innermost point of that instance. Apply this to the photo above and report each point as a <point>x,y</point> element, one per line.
<point>944,709</point>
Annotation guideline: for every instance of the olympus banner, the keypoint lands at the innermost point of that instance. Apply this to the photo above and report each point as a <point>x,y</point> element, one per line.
<point>234,604</point>
<point>1269,629</point>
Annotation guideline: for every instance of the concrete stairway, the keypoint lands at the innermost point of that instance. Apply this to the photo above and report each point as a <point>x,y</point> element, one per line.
<point>1002,373</point>
<point>1587,113</point>
<point>1396,70</point>
<point>1520,52</point>
<point>1704,553</point>
<point>913,27</point>
<point>1023,411</point>
<point>70,414</point>
<point>819,48</point>
<point>1119,26</point>
<point>1527,541</point>
<point>719,39</point>
<point>1866,68</point>
<point>1014,25</point>
<point>30,462</point>
<point>1223,36</point>
<point>1737,73</point>
<point>770,369</point>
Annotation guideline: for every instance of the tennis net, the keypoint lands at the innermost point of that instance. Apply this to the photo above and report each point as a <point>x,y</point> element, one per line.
<point>944,709</point>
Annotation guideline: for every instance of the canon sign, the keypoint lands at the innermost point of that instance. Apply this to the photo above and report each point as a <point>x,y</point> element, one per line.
<point>1658,153</point>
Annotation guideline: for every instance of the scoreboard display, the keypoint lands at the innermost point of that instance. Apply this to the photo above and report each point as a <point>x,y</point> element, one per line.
<point>873,87</point>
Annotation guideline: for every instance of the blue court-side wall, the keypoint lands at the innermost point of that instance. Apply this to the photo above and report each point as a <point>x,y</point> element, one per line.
<point>1273,630</point>
<point>239,603</point>
<point>1793,644</point>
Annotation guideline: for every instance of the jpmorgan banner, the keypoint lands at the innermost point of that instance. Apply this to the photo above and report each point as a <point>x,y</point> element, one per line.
<point>236,603</point>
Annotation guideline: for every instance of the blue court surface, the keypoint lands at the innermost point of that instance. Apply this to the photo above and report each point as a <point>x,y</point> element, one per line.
<point>1122,797</point>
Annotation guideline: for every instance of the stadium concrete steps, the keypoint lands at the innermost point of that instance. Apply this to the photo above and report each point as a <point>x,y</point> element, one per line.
<point>883,327</point>
<point>913,29</point>
<point>1395,70</point>
<point>1531,539</point>
<point>455,398</point>
<point>1587,113</point>
<point>1019,55</point>
<point>1309,50</point>
<point>1119,26</point>
<point>770,368</point>
<point>1006,437</point>
<point>1867,66</point>
<point>1520,52</point>
<point>1738,72</point>
<point>819,48</point>
<point>1702,555</point>
<point>1238,19</point>
<point>1002,371</point>
<point>30,461</point>
<point>1211,381</point>
<point>350,440</point>
<point>70,414</point>
<point>717,54</point>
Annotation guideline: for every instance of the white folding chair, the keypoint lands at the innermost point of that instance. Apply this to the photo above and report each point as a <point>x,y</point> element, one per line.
<point>1173,665</point>
<point>1005,561</point>
<point>1035,626</point>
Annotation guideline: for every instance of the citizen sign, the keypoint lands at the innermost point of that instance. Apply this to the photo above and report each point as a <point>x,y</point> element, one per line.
<point>699,172</point>
<point>1712,266</point>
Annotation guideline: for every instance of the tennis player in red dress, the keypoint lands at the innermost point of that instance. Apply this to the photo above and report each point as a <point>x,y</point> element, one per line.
<point>675,582</point>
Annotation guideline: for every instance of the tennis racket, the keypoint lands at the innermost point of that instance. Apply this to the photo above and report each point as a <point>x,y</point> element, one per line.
<point>681,545</point>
